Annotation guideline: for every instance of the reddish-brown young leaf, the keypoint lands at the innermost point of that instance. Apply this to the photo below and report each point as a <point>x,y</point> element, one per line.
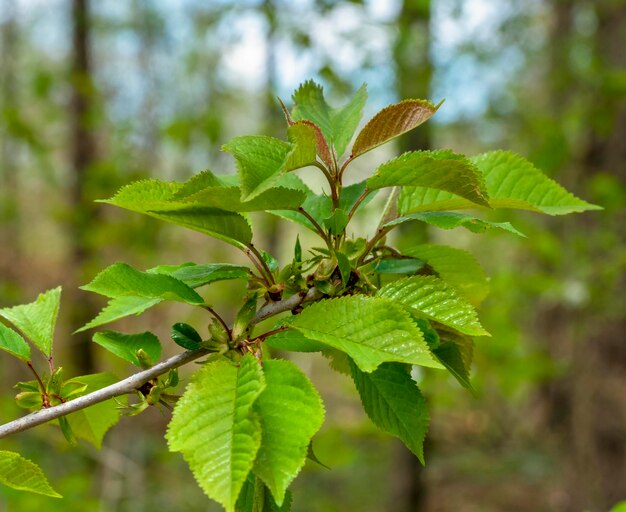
<point>392,122</point>
<point>323,150</point>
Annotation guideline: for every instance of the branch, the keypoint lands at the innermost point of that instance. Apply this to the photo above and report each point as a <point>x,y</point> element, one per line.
<point>123,387</point>
<point>134,382</point>
<point>273,308</point>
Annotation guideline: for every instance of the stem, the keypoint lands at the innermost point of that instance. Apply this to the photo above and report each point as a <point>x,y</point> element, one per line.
<point>358,203</point>
<point>220,320</point>
<point>316,225</point>
<point>42,387</point>
<point>345,164</point>
<point>134,382</point>
<point>249,254</point>
<point>370,245</point>
<point>262,262</point>
<point>273,331</point>
<point>331,181</point>
<point>273,308</point>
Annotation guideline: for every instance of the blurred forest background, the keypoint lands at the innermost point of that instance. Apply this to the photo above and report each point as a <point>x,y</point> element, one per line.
<point>96,94</point>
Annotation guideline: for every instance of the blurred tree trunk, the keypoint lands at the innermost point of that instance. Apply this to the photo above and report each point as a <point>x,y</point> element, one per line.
<point>586,408</point>
<point>83,158</point>
<point>146,19</point>
<point>413,80</point>
<point>9,203</point>
<point>599,401</point>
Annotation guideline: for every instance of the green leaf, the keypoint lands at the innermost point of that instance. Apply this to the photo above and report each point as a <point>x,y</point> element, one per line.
<point>294,341</point>
<point>450,356</point>
<point>93,422</point>
<point>439,169</point>
<point>619,507</point>
<point>392,122</point>
<point>336,124</point>
<point>511,181</point>
<point>245,315</point>
<point>337,222</point>
<point>214,427</point>
<point>13,343</point>
<point>320,207</point>
<point>370,330</point>
<point>194,275</point>
<point>345,269</point>
<point>302,136</point>
<point>22,474</point>
<point>229,199</point>
<point>186,336</point>
<point>198,182</point>
<point>145,195</point>
<point>256,497</point>
<point>121,280</point>
<point>397,266</point>
<point>260,160</point>
<point>456,267</point>
<point>310,104</point>
<point>345,120</point>
<point>36,320</point>
<point>432,297</point>
<point>120,307</point>
<point>160,200</point>
<point>291,412</point>
<point>451,220</point>
<point>394,403</point>
<point>465,344</point>
<point>126,346</point>
<point>230,227</point>
<point>430,335</point>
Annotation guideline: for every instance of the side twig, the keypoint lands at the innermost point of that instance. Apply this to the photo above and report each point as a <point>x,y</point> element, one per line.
<point>134,382</point>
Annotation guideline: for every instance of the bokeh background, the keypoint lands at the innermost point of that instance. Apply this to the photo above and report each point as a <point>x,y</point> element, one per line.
<point>94,94</point>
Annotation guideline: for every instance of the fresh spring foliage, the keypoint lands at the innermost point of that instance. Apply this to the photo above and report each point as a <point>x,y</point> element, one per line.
<point>245,422</point>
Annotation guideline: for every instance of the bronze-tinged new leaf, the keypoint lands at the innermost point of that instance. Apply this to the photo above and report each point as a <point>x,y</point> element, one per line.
<point>391,122</point>
<point>322,148</point>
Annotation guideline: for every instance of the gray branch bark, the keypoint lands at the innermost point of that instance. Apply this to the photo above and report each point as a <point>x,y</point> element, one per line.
<point>134,382</point>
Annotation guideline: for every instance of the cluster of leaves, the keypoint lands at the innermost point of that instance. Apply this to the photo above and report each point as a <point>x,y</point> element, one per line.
<point>245,422</point>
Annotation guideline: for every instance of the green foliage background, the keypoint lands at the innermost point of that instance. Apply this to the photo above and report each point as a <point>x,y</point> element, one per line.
<point>546,429</point>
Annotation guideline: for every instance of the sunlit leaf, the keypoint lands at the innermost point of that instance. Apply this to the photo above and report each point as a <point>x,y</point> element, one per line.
<point>36,320</point>
<point>13,343</point>
<point>432,297</point>
<point>439,169</point>
<point>120,307</point>
<point>310,104</point>
<point>22,474</point>
<point>196,275</point>
<point>294,341</point>
<point>126,346</point>
<point>214,427</point>
<point>260,159</point>
<point>370,330</point>
<point>290,411</point>
<point>511,181</point>
<point>160,200</point>
<point>120,280</point>
<point>456,267</point>
<point>229,199</point>
<point>345,120</point>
